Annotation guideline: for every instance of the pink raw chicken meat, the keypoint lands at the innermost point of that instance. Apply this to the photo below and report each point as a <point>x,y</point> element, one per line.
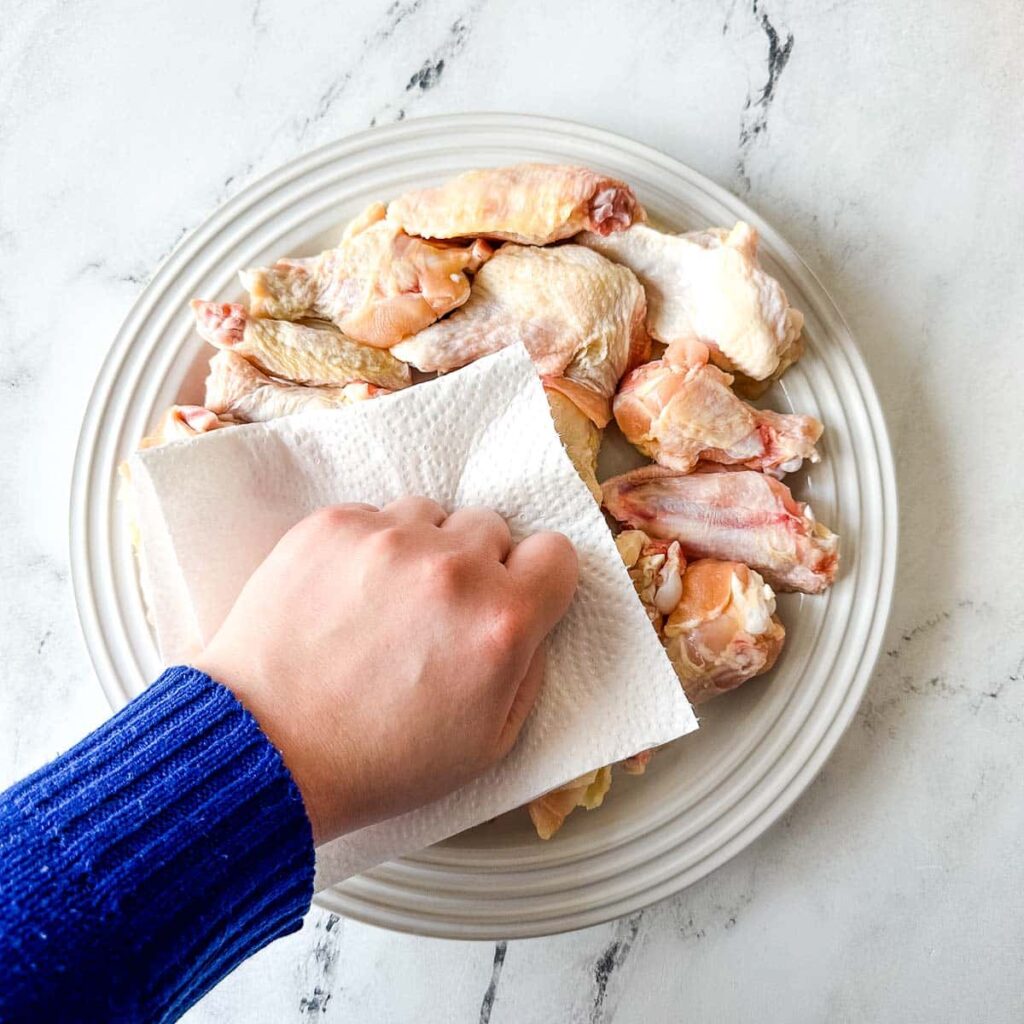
<point>680,409</point>
<point>737,516</point>
<point>716,619</point>
<point>718,625</point>
<point>530,203</point>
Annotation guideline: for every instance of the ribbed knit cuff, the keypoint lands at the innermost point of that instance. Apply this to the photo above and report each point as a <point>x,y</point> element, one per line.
<point>176,838</point>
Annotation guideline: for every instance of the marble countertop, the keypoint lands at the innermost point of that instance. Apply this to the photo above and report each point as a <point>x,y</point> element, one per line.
<point>884,139</point>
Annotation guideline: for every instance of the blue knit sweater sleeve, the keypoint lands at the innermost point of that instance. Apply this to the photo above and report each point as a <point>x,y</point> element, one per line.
<point>143,865</point>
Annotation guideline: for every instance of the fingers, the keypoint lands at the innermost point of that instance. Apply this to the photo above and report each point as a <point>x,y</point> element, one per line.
<point>522,703</point>
<point>545,569</point>
<point>483,529</point>
<point>416,509</point>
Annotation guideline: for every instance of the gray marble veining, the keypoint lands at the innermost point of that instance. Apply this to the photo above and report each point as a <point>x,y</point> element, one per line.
<point>884,141</point>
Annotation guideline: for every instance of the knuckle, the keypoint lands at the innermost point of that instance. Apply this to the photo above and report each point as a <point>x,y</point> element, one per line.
<point>332,517</point>
<point>386,543</point>
<point>323,525</point>
<point>487,517</point>
<point>448,571</point>
<point>417,505</point>
<point>507,630</point>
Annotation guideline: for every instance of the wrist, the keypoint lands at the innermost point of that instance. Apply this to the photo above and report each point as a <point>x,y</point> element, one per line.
<point>291,734</point>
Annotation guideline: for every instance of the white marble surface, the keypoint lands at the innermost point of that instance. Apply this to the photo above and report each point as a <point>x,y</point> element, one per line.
<point>885,140</point>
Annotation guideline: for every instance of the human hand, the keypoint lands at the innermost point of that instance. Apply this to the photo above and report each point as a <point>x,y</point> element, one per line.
<point>392,655</point>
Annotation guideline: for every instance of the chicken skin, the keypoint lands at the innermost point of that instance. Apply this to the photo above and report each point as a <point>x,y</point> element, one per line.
<point>237,390</point>
<point>679,409</point>
<point>580,438</point>
<point>378,286</point>
<point>716,619</point>
<point>708,286</point>
<point>181,422</point>
<point>178,423</point>
<point>737,516</point>
<point>549,812</point>
<point>580,317</point>
<point>297,352</point>
<point>534,204</point>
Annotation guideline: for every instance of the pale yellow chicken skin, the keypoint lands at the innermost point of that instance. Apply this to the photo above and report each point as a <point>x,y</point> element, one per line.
<point>378,286</point>
<point>297,352</point>
<point>238,390</point>
<point>580,317</point>
<point>708,286</point>
<point>534,204</point>
<point>680,409</point>
<point>548,812</point>
<point>580,437</point>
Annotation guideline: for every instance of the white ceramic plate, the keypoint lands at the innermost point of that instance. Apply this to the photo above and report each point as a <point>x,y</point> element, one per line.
<point>702,800</point>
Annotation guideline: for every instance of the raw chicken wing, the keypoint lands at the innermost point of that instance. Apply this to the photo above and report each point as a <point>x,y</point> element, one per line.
<point>716,619</point>
<point>708,286</point>
<point>637,764</point>
<point>378,286</point>
<point>530,203</point>
<point>236,389</point>
<point>680,409</point>
<point>656,569</point>
<point>548,812</point>
<point>724,631</point>
<point>580,317</point>
<point>181,422</point>
<point>743,516</point>
<point>297,352</point>
<point>178,423</point>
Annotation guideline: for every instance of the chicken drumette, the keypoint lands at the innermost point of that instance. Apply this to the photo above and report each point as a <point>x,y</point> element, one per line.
<point>680,409</point>
<point>716,619</point>
<point>718,625</point>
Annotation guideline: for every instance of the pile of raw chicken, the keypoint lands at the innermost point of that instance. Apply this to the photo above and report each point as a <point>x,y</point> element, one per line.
<point>562,259</point>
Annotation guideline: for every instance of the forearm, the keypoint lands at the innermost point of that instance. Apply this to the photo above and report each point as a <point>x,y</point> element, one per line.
<point>144,864</point>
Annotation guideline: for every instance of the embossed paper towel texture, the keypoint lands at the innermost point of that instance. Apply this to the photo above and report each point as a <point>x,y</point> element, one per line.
<point>211,509</point>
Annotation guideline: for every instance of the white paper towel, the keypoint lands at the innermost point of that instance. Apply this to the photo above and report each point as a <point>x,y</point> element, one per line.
<point>210,509</point>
